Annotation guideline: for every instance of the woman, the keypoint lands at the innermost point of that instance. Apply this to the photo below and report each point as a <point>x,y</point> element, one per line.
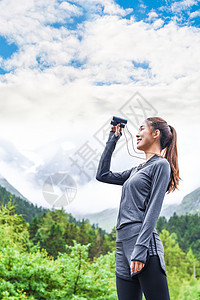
<point>140,265</point>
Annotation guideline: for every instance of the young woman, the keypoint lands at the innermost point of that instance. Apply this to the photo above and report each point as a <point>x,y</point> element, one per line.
<point>140,265</point>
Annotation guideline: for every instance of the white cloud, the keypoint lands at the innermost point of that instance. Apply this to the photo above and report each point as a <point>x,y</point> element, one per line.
<point>70,8</point>
<point>158,23</point>
<point>95,195</point>
<point>142,7</point>
<point>79,111</point>
<point>152,15</point>
<point>112,9</point>
<point>108,54</point>
<point>195,14</point>
<point>29,29</point>
<point>182,5</point>
<point>68,145</point>
<point>108,7</point>
<point>125,40</point>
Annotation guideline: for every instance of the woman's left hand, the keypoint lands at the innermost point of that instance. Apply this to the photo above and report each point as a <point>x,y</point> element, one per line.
<point>136,266</point>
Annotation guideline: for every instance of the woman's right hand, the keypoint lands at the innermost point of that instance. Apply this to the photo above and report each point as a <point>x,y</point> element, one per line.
<point>117,129</point>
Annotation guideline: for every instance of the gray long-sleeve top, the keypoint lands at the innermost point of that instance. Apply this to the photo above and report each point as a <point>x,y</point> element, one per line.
<point>143,191</point>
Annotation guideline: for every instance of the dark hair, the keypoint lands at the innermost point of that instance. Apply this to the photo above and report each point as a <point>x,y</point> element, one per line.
<point>168,142</point>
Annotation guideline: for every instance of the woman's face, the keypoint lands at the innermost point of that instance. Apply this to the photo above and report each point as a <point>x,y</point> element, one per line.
<point>144,137</point>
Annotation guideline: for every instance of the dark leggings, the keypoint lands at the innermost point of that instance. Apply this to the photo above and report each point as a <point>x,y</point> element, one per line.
<point>152,282</point>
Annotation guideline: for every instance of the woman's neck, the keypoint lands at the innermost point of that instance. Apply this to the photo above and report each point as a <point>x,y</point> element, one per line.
<point>150,153</point>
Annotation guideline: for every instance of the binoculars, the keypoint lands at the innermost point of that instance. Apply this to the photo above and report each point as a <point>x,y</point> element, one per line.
<point>117,120</point>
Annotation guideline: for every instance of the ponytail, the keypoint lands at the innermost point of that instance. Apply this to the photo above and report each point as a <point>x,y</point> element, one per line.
<point>168,143</point>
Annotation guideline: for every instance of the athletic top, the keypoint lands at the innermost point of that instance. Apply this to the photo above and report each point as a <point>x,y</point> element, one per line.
<point>152,247</point>
<point>143,191</point>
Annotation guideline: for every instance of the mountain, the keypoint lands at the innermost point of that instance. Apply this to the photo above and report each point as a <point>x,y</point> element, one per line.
<point>58,156</point>
<point>33,168</point>
<point>106,219</point>
<point>168,210</point>
<point>4,183</point>
<point>22,207</point>
<point>190,203</point>
<point>10,155</point>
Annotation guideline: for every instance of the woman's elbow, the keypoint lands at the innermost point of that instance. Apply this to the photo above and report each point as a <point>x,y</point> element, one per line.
<point>102,176</point>
<point>99,177</point>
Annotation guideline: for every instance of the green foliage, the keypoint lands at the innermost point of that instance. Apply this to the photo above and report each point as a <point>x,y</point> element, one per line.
<point>33,275</point>
<point>180,267</point>
<point>53,231</point>
<point>25,208</point>
<point>190,290</point>
<point>51,258</point>
<point>187,229</point>
<point>161,224</point>
<point>13,229</point>
<point>73,275</point>
<point>70,276</point>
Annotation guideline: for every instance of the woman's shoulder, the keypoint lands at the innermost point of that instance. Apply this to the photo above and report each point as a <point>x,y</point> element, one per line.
<point>162,162</point>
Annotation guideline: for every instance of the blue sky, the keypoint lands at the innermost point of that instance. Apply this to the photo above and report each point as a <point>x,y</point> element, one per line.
<point>6,50</point>
<point>73,15</point>
<point>166,10</point>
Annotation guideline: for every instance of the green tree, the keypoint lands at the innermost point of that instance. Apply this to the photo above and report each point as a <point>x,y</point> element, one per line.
<point>161,224</point>
<point>13,229</point>
<point>54,241</point>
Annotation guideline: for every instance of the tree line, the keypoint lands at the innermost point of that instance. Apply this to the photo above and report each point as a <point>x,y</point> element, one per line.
<point>54,256</point>
<point>29,271</point>
<point>186,230</point>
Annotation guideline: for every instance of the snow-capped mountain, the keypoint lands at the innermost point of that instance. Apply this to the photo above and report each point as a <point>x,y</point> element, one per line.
<point>27,171</point>
<point>10,155</point>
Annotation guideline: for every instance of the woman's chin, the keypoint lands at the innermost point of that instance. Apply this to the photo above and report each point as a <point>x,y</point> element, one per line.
<point>139,148</point>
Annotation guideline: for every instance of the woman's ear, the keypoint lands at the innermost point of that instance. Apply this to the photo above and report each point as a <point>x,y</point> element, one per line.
<point>156,134</point>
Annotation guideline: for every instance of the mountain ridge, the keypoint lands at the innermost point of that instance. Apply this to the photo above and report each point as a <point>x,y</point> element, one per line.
<point>106,219</point>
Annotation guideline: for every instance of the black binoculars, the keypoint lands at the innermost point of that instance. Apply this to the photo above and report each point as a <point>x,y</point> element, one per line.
<point>117,120</point>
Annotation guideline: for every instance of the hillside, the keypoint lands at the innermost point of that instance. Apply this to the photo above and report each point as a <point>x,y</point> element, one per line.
<point>22,206</point>
<point>4,183</point>
<point>106,219</point>
<point>190,203</point>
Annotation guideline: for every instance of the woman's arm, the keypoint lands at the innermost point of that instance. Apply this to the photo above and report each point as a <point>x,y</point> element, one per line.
<point>160,181</point>
<point>103,172</point>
